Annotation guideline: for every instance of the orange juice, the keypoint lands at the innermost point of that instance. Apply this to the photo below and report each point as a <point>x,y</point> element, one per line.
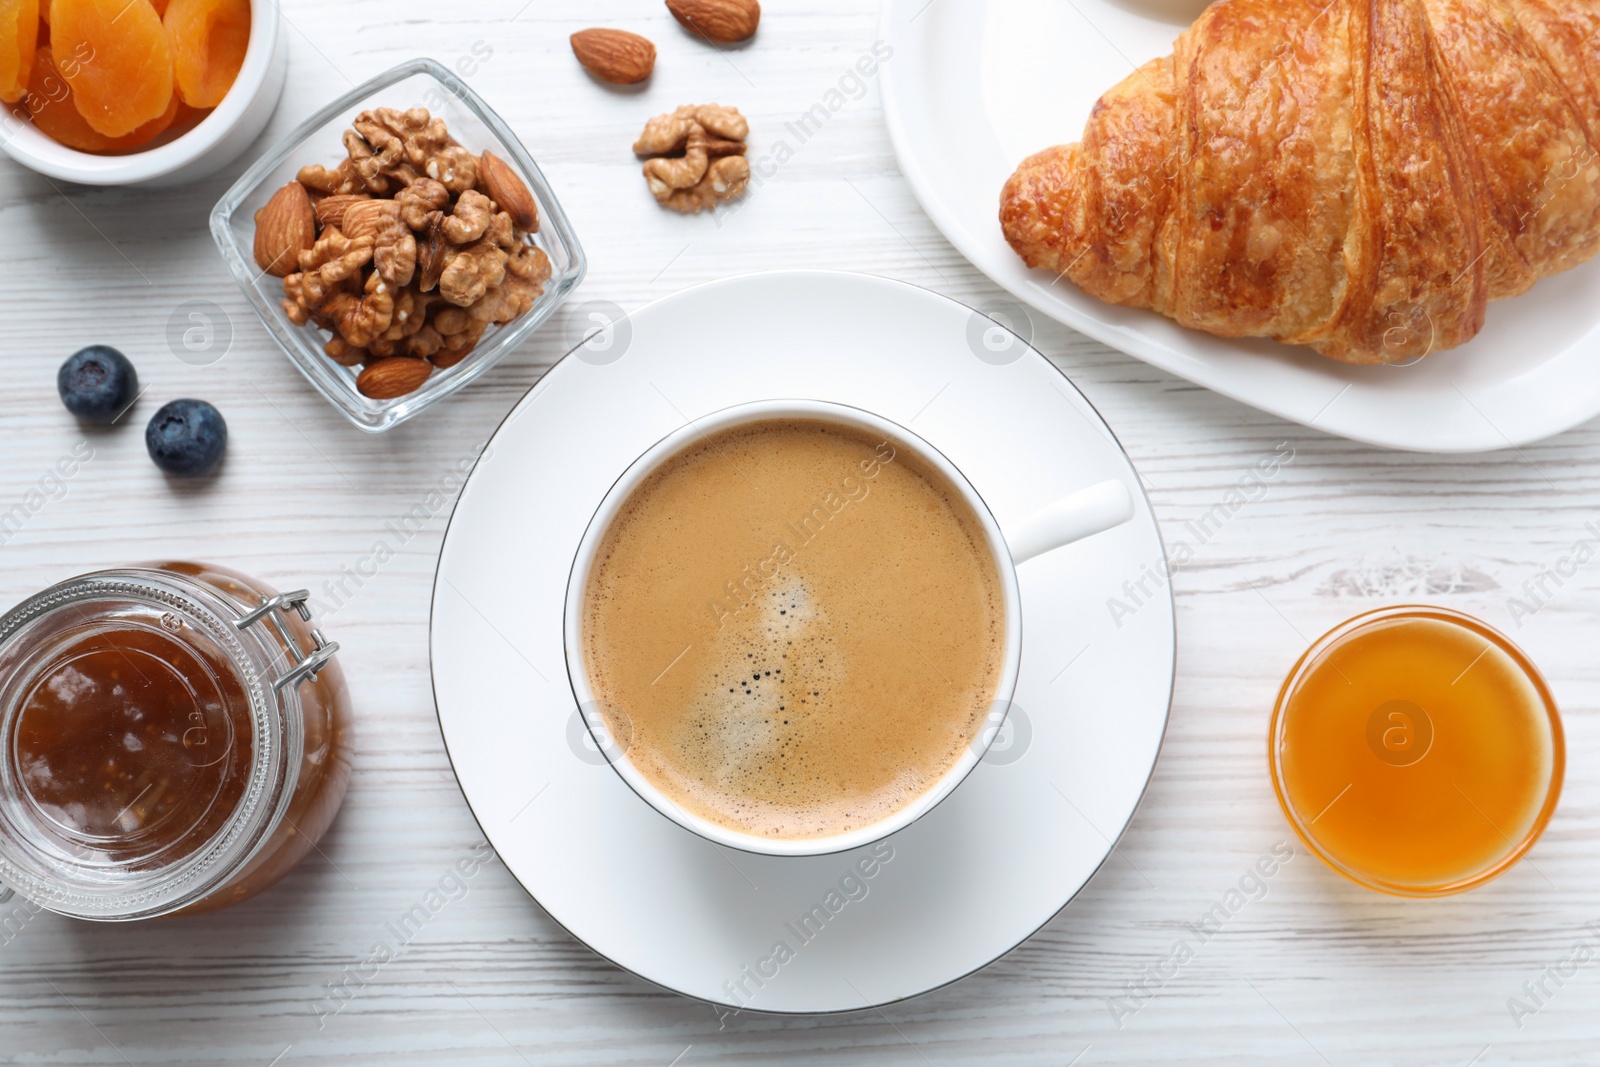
<point>1417,751</point>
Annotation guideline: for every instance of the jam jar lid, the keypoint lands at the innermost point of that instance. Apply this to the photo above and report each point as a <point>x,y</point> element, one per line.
<point>147,726</point>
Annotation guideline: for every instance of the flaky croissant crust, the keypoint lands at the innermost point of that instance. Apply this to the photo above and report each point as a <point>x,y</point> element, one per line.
<point>1359,176</point>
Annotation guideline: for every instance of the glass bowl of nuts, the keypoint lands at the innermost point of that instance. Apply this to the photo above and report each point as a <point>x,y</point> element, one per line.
<point>398,244</point>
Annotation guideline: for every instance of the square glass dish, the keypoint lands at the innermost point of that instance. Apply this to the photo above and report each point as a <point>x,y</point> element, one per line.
<point>419,83</point>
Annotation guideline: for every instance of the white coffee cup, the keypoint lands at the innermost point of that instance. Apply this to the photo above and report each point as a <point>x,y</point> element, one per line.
<point>1089,511</point>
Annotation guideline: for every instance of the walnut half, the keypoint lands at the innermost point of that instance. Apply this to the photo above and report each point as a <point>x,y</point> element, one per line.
<point>696,156</point>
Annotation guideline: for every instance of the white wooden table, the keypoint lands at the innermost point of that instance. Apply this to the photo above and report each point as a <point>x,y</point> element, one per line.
<point>1315,971</point>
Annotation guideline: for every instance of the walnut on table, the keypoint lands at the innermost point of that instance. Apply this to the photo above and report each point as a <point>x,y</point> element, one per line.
<point>414,257</point>
<point>695,156</point>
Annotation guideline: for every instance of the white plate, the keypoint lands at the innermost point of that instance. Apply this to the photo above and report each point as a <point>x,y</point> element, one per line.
<point>974,86</point>
<point>965,883</point>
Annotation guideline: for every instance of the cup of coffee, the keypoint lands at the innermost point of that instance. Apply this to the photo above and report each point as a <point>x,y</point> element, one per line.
<point>793,626</point>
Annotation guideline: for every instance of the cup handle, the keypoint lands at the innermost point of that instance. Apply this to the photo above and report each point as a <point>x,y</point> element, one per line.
<point>1096,509</point>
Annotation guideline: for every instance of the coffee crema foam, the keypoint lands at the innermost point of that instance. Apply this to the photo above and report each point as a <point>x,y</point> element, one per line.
<point>797,628</point>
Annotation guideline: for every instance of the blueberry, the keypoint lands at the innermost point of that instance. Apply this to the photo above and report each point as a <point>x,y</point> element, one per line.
<point>186,438</point>
<point>97,383</point>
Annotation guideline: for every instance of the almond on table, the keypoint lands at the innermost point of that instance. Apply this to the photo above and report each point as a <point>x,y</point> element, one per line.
<point>723,21</point>
<point>615,56</point>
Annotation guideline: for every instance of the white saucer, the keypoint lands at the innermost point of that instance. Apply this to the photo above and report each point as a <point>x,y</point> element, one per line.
<point>975,86</point>
<point>970,880</point>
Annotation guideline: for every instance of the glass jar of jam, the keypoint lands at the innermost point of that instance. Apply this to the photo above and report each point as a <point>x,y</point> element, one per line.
<point>172,740</point>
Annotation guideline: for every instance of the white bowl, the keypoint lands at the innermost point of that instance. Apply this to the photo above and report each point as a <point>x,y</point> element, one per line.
<point>217,141</point>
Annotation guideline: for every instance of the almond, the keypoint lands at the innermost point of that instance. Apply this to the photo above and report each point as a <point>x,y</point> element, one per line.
<point>392,376</point>
<point>614,56</point>
<point>449,357</point>
<point>508,190</point>
<point>285,227</point>
<point>365,218</point>
<point>724,21</point>
<point>330,209</point>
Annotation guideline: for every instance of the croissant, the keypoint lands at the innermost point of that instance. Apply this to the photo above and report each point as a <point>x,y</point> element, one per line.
<point>1357,176</point>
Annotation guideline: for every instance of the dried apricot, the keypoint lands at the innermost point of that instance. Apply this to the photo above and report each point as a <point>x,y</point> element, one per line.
<point>125,77</point>
<point>209,39</point>
<point>143,135</point>
<point>54,112</point>
<point>19,33</point>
